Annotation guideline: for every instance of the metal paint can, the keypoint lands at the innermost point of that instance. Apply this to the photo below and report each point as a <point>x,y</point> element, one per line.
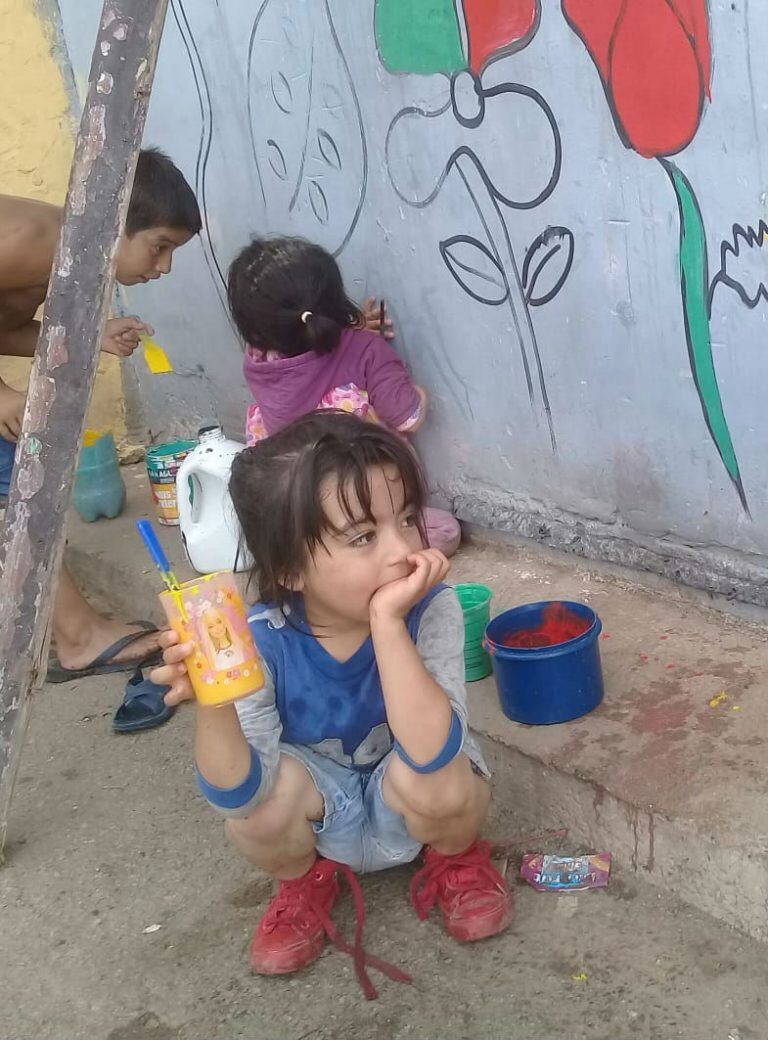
<point>163,463</point>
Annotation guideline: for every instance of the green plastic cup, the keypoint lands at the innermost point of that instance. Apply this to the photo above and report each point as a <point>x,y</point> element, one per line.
<point>475,673</point>
<point>476,605</point>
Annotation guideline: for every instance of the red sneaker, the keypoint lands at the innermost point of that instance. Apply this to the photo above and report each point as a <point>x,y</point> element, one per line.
<point>474,897</point>
<point>291,934</point>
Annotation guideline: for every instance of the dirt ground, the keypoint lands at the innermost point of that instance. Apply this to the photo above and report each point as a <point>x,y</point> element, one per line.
<point>123,916</point>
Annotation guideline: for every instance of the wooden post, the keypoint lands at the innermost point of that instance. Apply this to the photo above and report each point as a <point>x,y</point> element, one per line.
<point>76,309</point>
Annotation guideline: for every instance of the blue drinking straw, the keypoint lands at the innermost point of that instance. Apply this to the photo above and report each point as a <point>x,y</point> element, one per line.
<point>157,553</point>
<point>160,560</point>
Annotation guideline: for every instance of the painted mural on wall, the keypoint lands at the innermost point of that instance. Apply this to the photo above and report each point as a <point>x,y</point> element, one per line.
<point>655,62</point>
<point>466,158</point>
<point>305,126</point>
<point>460,40</point>
<point>214,263</point>
<point>305,123</point>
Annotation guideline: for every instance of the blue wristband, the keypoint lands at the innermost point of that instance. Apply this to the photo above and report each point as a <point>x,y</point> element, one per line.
<point>233,797</point>
<point>451,748</point>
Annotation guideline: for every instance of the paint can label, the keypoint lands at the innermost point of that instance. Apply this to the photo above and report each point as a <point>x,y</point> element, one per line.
<point>163,463</point>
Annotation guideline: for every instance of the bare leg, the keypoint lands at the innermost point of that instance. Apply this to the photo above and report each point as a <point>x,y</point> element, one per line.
<point>278,835</point>
<point>445,809</point>
<point>80,633</point>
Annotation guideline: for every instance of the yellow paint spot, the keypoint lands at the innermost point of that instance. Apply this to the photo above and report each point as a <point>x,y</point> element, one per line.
<point>155,357</point>
<point>735,707</point>
<point>581,977</point>
<point>718,699</point>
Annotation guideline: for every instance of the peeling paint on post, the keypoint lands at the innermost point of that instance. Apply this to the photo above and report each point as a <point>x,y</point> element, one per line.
<point>62,375</point>
<point>57,334</point>
<point>93,140</point>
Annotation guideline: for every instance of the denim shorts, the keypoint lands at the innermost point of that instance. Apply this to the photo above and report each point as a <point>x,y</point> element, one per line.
<point>358,827</point>
<point>7,455</point>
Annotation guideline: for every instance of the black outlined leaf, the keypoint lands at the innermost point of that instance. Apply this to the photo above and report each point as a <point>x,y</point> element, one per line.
<point>276,159</point>
<point>282,93</point>
<point>744,264</point>
<point>475,268</point>
<point>547,265</point>
<point>318,201</point>
<point>328,150</point>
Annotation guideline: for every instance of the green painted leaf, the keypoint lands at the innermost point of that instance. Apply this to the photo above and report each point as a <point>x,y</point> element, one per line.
<point>421,36</point>
<point>694,277</point>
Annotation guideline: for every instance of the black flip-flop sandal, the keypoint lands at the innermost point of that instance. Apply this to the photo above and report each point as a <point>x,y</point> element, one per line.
<point>103,664</point>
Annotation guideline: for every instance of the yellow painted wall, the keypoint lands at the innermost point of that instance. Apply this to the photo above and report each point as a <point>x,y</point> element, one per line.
<point>36,144</point>
<point>36,137</point>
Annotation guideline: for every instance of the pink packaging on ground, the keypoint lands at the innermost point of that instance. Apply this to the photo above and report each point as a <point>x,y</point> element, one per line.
<point>566,873</point>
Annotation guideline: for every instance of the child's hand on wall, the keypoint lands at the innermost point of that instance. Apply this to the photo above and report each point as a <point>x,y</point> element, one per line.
<point>174,672</point>
<point>396,598</point>
<point>373,312</point>
<point>123,335</point>
<point>11,412</point>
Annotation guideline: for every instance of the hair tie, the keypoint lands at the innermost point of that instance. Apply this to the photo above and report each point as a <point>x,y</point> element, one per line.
<point>306,316</point>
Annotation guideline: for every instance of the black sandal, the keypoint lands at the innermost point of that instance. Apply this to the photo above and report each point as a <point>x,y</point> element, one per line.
<point>103,663</point>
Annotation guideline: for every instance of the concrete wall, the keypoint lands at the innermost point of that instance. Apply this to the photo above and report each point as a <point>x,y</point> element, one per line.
<point>581,393</point>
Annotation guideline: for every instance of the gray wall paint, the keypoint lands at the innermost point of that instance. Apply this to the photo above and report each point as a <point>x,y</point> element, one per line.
<point>635,475</point>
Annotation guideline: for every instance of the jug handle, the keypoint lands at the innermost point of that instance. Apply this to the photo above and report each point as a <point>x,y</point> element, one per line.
<point>183,503</point>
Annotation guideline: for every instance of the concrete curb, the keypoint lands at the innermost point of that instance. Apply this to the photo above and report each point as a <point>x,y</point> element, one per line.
<point>730,883</point>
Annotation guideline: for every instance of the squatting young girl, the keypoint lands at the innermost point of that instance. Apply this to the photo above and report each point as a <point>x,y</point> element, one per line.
<point>355,756</point>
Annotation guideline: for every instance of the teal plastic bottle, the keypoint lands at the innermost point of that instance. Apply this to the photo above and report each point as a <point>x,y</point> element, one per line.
<point>99,487</point>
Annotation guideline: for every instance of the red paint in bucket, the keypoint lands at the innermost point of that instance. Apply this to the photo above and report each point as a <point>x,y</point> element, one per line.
<point>559,624</point>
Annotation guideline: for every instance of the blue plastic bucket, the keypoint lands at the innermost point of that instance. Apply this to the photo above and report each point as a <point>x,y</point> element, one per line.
<point>539,686</point>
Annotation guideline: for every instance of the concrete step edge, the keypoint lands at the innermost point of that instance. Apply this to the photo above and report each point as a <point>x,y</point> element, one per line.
<point>728,882</point>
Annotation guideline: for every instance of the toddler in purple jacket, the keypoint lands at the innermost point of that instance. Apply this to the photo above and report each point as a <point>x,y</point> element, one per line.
<point>307,348</point>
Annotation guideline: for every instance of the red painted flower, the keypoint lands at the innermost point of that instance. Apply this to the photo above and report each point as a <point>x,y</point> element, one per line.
<point>496,27</point>
<point>655,61</point>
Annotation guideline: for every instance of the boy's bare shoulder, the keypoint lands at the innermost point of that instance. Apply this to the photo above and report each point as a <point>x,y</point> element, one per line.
<point>29,230</point>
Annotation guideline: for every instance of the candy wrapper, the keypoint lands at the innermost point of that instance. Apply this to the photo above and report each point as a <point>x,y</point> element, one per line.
<point>566,873</point>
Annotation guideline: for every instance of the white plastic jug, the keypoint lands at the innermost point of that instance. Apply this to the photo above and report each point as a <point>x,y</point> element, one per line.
<point>209,526</point>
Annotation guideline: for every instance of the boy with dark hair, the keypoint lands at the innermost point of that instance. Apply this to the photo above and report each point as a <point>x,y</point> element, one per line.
<point>160,196</point>
<point>163,215</point>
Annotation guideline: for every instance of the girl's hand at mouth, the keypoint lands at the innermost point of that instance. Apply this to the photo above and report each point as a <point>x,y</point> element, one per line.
<point>393,601</point>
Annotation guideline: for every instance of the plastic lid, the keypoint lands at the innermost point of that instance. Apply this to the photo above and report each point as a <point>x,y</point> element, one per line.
<point>209,432</point>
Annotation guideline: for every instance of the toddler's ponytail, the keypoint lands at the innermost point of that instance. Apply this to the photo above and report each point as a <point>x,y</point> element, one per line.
<point>321,333</point>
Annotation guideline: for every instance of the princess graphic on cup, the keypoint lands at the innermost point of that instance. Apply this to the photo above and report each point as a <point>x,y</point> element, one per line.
<point>208,611</point>
<point>219,642</point>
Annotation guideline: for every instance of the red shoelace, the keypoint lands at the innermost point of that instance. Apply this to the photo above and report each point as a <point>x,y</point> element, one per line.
<point>361,960</point>
<point>464,872</point>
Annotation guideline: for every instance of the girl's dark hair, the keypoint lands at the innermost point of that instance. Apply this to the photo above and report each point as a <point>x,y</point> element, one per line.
<point>274,281</point>
<point>276,487</point>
